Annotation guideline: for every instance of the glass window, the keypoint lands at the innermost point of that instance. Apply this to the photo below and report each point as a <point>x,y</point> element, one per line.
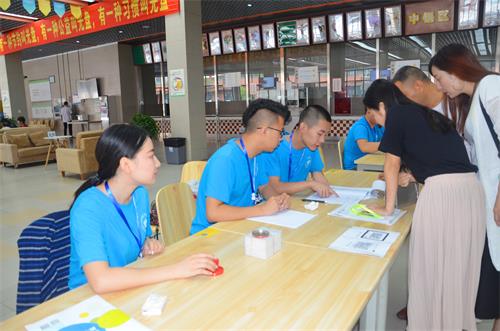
<point>152,75</point>
<point>353,70</point>
<point>231,89</point>
<point>306,76</point>
<point>209,84</point>
<point>264,75</point>
<point>482,42</point>
<point>412,48</point>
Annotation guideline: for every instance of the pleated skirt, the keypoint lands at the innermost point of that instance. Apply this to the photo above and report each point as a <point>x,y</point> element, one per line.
<point>446,246</point>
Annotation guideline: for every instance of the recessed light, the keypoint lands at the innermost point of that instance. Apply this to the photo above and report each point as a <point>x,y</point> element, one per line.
<point>120,31</point>
<point>249,5</point>
<point>40,49</point>
<point>78,41</point>
<point>145,26</point>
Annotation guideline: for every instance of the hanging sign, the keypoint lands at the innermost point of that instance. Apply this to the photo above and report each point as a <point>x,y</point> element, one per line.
<point>100,16</point>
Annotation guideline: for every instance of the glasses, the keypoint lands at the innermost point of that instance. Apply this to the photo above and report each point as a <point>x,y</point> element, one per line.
<point>282,132</point>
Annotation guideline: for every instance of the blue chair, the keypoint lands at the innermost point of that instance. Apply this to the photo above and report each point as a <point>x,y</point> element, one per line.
<point>44,250</point>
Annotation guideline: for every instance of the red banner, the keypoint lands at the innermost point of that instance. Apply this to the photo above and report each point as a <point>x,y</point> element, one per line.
<point>96,17</point>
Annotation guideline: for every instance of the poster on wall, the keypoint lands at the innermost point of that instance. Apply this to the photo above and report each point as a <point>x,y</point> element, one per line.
<point>148,57</point>
<point>176,82</point>
<point>268,36</point>
<point>227,42</point>
<point>491,15</point>
<point>373,23</point>
<point>354,31</point>
<point>204,45</point>
<point>240,39</point>
<point>254,38</point>
<point>39,90</point>
<point>293,33</point>
<point>393,22</point>
<point>156,52</point>
<point>214,43</point>
<point>42,109</point>
<point>308,75</point>
<point>232,79</point>
<point>318,29</point>
<point>396,65</point>
<point>468,14</point>
<point>336,27</point>
<point>303,31</point>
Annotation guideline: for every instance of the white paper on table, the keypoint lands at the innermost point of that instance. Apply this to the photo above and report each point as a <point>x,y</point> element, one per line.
<point>289,219</point>
<point>367,241</point>
<point>345,212</point>
<point>83,313</point>
<point>345,195</point>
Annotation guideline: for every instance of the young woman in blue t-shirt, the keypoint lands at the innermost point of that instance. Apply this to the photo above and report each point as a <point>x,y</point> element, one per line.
<point>109,219</point>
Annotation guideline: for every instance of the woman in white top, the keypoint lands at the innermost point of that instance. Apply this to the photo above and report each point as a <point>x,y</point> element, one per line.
<point>458,72</point>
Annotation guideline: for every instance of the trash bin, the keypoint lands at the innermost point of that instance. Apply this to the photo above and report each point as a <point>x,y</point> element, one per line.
<point>175,150</point>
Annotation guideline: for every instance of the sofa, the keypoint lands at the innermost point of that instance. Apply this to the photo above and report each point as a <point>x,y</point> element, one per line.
<point>24,145</point>
<point>81,159</point>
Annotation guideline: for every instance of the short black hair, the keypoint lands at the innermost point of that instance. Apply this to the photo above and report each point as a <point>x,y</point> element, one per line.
<point>407,72</point>
<point>273,108</point>
<point>22,119</point>
<point>65,103</point>
<point>313,113</point>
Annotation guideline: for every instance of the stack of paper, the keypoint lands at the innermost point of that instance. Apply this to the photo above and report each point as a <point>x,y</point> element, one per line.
<point>288,219</point>
<point>345,212</point>
<point>345,195</point>
<point>92,314</point>
<point>367,241</point>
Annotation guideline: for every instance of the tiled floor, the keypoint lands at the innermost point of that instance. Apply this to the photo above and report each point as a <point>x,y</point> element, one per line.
<point>33,191</point>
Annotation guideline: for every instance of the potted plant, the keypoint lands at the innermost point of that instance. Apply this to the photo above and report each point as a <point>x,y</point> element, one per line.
<point>149,125</point>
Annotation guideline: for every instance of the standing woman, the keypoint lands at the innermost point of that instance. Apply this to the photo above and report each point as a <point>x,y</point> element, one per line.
<point>447,235</point>
<point>459,73</point>
<point>109,219</point>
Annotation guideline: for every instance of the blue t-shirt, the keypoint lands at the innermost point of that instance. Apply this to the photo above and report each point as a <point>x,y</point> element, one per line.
<point>359,130</point>
<point>98,233</point>
<point>226,178</point>
<point>304,161</point>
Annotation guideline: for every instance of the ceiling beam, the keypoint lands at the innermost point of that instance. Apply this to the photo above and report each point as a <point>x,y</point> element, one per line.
<point>17,18</point>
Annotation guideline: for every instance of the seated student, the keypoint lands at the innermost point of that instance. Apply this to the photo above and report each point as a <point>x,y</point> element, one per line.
<point>109,219</point>
<point>290,164</point>
<point>363,138</point>
<point>233,179</point>
<point>21,122</point>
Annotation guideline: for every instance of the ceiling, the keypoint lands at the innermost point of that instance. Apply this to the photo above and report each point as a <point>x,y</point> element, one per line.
<point>216,14</point>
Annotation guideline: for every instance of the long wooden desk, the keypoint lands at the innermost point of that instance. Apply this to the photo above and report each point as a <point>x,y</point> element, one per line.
<point>371,162</point>
<point>304,286</point>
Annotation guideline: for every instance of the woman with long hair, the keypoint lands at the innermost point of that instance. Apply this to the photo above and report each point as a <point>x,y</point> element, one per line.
<point>109,219</point>
<point>461,76</point>
<point>447,234</point>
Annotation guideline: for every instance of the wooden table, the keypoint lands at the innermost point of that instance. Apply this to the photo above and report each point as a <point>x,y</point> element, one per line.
<point>56,142</point>
<point>371,162</point>
<point>304,286</point>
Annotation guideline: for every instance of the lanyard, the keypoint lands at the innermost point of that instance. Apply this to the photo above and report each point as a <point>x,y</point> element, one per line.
<point>252,177</point>
<point>120,212</point>
<point>290,158</point>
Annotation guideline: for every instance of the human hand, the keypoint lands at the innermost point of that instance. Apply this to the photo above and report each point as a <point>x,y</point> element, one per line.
<point>322,189</point>
<point>152,247</point>
<point>405,178</point>
<point>382,211</point>
<point>198,264</point>
<point>284,201</point>
<point>272,205</point>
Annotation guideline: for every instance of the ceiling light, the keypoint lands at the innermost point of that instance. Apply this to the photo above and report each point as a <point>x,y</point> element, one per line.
<point>120,31</point>
<point>249,5</point>
<point>356,61</point>
<point>78,41</point>
<point>145,26</point>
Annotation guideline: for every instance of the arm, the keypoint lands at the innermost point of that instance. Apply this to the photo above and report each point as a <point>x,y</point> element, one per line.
<point>288,187</point>
<point>102,278</point>
<point>496,207</point>
<point>391,173</point>
<point>217,211</point>
<point>367,147</point>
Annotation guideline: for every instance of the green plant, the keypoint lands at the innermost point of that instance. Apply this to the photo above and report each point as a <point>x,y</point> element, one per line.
<point>147,123</point>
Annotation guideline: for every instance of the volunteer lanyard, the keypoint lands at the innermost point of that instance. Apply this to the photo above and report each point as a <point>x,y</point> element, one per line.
<point>122,215</point>
<point>290,158</point>
<point>252,177</point>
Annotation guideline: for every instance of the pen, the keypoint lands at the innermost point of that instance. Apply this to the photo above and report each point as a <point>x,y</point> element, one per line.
<point>313,200</point>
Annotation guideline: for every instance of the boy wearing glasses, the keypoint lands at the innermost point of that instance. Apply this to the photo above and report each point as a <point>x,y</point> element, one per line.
<point>233,181</point>
<point>294,159</point>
